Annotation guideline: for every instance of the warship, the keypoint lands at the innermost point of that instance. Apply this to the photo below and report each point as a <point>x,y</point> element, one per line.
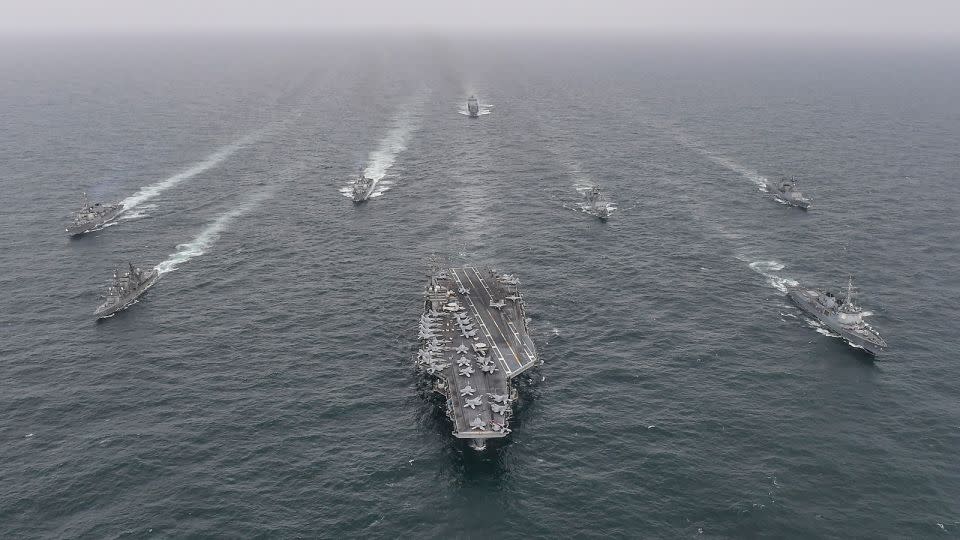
<point>840,315</point>
<point>786,191</point>
<point>474,341</point>
<point>126,288</point>
<point>362,187</point>
<point>473,107</point>
<point>597,203</point>
<point>91,217</point>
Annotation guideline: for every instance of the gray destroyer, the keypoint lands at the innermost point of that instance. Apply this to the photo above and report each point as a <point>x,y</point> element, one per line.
<point>91,217</point>
<point>362,187</point>
<point>474,341</point>
<point>839,315</point>
<point>597,204</point>
<point>126,288</point>
<point>473,107</point>
<point>786,191</point>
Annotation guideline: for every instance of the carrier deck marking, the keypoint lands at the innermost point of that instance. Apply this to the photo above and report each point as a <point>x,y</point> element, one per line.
<point>532,358</point>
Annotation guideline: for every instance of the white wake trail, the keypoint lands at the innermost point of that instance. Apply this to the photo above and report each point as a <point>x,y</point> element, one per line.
<point>379,162</point>
<point>148,192</point>
<point>767,269</point>
<point>382,159</point>
<point>203,241</point>
<point>758,179</point>
<point>746,172</point>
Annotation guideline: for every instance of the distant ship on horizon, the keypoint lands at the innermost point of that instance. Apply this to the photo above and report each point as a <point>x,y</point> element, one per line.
<point>473,107</point>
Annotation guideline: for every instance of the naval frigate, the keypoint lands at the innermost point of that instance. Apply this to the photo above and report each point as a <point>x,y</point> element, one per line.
<point>474,341</point>
<point>473,107</point>
<point>840,315</point>
<point>362,187</point>
<point>127,286</point>
<point>786,191</point>
<point>91,217</point>
<point>597,203</point>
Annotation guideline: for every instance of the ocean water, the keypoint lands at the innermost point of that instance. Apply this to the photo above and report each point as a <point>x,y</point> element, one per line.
<point>265,386</point>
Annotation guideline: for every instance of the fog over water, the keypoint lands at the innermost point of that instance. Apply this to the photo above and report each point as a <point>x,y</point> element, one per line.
<point>922,19</point>
<point>265,386</point>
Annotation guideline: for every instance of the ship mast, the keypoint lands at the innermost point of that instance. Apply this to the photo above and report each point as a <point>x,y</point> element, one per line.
<point>849,299</point>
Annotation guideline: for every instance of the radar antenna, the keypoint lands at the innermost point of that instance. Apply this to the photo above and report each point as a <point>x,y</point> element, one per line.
<point>849,297</point>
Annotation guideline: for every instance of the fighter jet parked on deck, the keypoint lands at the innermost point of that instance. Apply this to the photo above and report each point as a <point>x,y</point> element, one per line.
<point>478,423</point>
<point>499,305</point>
<point>437,368</point>
<point>467,371</point>
<point>463,362</point>
<point>463,349</point>
<point>473,403</point>
<point>499,409</point>
<point>467,391</point>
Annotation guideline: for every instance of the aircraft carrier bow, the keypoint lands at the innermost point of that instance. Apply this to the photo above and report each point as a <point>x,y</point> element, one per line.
<point>473,342</point>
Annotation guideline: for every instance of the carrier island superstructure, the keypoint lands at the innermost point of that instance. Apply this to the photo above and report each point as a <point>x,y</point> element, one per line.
<point>473,342</point>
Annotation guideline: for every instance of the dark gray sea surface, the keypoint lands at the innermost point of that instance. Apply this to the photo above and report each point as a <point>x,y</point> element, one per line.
<point>266,386</point>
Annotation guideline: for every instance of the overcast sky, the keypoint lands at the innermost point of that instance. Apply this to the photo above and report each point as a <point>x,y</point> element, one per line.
<point>936,19</point>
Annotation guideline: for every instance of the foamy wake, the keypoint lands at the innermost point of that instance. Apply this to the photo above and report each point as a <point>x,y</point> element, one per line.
<point>588,209</point>
<point>749,174</point>
<point>820,329</point>
<point>148,192</point>
<point>139,212</point>
<point>758,179</point>
<point>484,109</point>
<point>767,269</point>
<point>208,236</point>
<point>382,159</point>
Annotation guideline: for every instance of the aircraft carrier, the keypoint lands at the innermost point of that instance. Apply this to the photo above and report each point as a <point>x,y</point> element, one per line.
<point>473,342</point>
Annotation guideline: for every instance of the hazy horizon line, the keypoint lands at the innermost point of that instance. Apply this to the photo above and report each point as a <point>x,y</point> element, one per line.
<point>472,33</point>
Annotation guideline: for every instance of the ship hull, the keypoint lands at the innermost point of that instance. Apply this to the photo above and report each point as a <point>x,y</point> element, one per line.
<point>852,339</point>
<point>75,231</point>
<point>107,311</point>
<point>803,205</point>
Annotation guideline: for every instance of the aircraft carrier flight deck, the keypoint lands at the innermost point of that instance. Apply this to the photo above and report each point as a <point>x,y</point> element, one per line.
<point>473,341</point>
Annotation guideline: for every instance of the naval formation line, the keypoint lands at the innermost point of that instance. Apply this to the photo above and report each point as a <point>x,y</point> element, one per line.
<point>447,321</point>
